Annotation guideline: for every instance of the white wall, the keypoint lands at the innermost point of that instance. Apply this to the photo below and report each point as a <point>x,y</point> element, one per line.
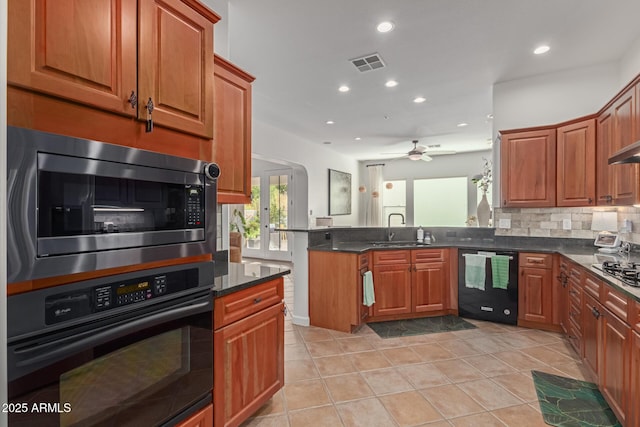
<point>463,164</point>
<point>630,64</point>
<point>221,29</point>
<point>271,143</point>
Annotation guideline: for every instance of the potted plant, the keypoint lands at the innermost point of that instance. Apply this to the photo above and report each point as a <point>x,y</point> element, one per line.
<point>248,228</point>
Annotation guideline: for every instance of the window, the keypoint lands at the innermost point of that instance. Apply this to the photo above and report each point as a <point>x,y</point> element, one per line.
<point>440,201</point>
<point>394,199</point>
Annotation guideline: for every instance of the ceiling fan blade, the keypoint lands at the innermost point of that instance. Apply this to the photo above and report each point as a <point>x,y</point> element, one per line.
<point>426,158</point>
<point>395,153</point>
<point>440,153</point>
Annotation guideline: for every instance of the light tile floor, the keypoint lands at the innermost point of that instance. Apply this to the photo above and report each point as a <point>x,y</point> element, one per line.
<point>479,377</point>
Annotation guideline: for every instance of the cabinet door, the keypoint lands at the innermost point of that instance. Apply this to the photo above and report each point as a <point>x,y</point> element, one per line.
<point>576,151</point>
<point>204,418</point>
<point>625,177</point>
<point>591,333</point>
<point>429,287</point>
<point>534,295</point>
<point>392,288</point>
<point>84,51</point>
<point>248,365</point>
<point>634,386</point>
<point>528,165</point>
<point>604,149</point>
<point>232,131</point>
<point>615,363</point>
<point>175,66</point>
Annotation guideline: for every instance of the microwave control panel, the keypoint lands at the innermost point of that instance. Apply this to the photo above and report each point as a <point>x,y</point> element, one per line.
<point>194,206</point>
<point>68,306</point>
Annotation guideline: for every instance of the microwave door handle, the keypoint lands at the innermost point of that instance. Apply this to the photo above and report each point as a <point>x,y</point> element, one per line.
<point>60,348</point>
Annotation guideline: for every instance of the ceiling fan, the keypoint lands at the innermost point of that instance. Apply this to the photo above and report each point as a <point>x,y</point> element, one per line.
<point>418,152</point>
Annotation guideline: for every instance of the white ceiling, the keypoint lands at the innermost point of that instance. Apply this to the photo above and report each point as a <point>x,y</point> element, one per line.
<point>449,51</point>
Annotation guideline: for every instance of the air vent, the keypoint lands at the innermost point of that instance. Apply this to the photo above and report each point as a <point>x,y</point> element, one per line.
<point>368,62</point>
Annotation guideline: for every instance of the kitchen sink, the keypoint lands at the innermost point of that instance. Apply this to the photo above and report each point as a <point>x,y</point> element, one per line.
<point>398,244</point>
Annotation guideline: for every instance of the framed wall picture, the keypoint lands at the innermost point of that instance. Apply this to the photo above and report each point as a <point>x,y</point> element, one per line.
<point>339,193</point>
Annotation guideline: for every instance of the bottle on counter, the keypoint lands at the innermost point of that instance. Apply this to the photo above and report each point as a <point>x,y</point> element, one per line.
<point>420,234</point>
<point>428,239</point>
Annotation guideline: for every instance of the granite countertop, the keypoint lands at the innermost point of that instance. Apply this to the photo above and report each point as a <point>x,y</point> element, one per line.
<point>231,277</point>
<point>584,256</point>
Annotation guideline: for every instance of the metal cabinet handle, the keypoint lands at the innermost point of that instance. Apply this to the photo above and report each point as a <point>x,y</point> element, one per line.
<point>257,300</point>
<point>133,100</point>
<point>595,313</point>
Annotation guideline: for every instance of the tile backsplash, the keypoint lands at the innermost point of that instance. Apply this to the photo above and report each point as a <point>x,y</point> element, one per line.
<point>548,222</point>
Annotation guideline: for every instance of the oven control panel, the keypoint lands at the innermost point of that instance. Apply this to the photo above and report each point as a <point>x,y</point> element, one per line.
<point>67,306</point>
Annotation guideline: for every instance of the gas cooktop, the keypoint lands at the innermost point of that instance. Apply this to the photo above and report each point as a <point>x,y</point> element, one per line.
<point>628,273</point>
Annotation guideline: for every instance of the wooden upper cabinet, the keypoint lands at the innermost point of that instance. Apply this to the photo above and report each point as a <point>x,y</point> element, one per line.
<point>604,149</point>
<point>80,50</point>
<point>576,164</point>
<point>175,65</point>
<point>100,52</point>
<point>625,177</point>
<point>232,131</point>
<point>528,168</point>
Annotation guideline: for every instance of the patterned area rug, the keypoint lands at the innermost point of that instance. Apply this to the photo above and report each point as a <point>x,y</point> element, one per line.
<point>566,402</point>
<point>424,325</point>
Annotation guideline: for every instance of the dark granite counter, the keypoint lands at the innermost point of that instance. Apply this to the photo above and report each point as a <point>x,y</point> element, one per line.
<point>232,277</point>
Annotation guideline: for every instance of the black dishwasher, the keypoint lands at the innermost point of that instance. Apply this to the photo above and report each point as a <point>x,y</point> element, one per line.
<point>494,304</point>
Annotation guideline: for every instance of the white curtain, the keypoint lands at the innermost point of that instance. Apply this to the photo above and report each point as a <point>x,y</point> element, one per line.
<point>374,198</point>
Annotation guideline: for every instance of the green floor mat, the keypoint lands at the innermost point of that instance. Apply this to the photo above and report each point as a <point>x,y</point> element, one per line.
<point>423,325</point>
<point>566,402</point>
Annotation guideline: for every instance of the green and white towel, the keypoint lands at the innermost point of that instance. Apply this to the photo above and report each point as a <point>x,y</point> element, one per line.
<point>500,271</point>
<point>474,271</point>
<point>368,295</point>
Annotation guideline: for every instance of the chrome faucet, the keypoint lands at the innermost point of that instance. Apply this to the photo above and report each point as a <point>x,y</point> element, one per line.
<point>389,233</point>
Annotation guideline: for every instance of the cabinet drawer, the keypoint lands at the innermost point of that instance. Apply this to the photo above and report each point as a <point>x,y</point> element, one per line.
<point>535,260</point>
<point>618,304</point>
<point>391,257</point>
<point>575,313</point>
<point>575,294</point>
<point>428,255</point>
<point>575,336</point>
<point>592,286</point>
<point>236,306</point>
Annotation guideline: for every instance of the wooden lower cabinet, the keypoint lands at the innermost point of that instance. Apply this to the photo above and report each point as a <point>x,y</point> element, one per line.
<point>535,290</point>
<point>335,290</point>
<point>248,363</point>
<point>203,418</point>
<point>634,383</point>
<point>614,365</point>
<point>411,282</point>
<point>591,333</point>
<point>392,285</point>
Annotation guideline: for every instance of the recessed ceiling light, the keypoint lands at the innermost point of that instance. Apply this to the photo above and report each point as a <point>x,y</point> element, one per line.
<point>461,125</point>
<point>391,83</point>
<point>329,122</point>
<point>385,27</point>
<point>419,99</point>
<point>541,49</point>
<point>344,88</point>
<point>490,116</point>
<point>326,142</point>
<point>357,138</point>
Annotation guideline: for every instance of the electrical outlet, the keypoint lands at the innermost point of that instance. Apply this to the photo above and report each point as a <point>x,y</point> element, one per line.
<point>504,223</point>
<point>566,224</point>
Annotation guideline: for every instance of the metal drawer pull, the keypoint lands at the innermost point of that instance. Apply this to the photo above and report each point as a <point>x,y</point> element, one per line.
<point>257,300</point>
<point>595,313</point>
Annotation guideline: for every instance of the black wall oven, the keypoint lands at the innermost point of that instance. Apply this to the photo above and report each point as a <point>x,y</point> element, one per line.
<point>76,205</point>
<point>129,350</point>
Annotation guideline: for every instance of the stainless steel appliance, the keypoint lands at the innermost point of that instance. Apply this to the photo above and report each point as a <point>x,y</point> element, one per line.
<point>493,304</point>
<point>76,205</point>
<point>628,273</point>
<point>134,349</point>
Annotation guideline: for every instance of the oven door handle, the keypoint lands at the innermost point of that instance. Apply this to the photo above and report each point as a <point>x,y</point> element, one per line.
<point>38,353</point>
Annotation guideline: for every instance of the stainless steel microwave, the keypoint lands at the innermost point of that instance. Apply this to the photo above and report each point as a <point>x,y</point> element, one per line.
<point>77,205</point>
